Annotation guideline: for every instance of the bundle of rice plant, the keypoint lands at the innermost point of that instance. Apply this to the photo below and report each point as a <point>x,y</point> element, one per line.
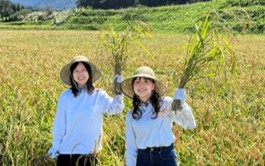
<point>117,45</point>
<point>206,53</point>
<point>117,42</point>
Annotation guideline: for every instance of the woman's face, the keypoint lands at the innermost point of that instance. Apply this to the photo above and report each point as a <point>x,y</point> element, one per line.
<point>80,75</point>
<point>143,87</point>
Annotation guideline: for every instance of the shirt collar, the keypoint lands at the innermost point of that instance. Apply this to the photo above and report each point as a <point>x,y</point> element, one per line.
<point>82,89</point>
<point>145,104</point>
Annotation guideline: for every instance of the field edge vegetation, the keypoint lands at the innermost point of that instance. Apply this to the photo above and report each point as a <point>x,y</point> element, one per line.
<point>243,16</point>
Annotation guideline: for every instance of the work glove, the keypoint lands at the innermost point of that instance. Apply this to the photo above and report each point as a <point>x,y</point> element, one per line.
<point>53,152</point>
<point>117,79</point>
<point>179,99</point>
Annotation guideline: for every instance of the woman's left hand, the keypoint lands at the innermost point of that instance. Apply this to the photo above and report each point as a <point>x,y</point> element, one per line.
<point>117,79</point>
<point>179,99</point>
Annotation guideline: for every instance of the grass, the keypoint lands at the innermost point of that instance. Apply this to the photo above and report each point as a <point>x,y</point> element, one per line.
<point>164,19</point>
<point>229,112</point>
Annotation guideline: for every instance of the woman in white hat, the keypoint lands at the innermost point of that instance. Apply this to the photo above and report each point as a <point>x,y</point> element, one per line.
<point>149,136</point>
<point>77,127</point>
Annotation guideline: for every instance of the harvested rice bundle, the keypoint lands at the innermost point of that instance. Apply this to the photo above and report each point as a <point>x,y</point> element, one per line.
<point>206,54</point>
<point>117,43</point>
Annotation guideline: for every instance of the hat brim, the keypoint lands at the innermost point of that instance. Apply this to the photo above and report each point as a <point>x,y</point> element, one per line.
<point>65,72</point>
<point>127,88</point>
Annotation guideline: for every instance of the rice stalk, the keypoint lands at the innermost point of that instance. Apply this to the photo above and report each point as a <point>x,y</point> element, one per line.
<point>117,43</point>
<point>207,52</point>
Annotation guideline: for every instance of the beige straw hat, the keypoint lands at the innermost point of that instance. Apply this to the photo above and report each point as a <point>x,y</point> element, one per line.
<point>147,72</point>
<point>65,71</point>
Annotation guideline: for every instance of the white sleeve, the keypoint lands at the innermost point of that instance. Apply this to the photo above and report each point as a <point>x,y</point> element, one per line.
<point>59,124</point>
<point>113,105</point>
<point>131,148</point>
<point>184,117</point>
<point>166,105</point>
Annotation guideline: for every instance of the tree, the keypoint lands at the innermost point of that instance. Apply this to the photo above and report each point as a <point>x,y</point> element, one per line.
<point>116,4</point>
<point>87,3</point>
<point>5,9</point>
<point>81,3</point>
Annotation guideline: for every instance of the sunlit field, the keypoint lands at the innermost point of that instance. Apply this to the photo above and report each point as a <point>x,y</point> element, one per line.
<point>229,109</point>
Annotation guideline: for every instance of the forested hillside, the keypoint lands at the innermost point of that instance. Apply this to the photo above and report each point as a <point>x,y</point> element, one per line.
<point>242,16</point>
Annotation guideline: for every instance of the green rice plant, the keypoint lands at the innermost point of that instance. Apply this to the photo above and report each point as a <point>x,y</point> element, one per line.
<point>207,52</point>
<point>117,44</point>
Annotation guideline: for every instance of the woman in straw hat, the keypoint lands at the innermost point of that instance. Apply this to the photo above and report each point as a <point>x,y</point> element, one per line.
<point>149,136</point>
<point>77,127</point>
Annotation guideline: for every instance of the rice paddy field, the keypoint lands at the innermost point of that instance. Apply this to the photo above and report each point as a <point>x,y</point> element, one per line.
<point>229,109</point>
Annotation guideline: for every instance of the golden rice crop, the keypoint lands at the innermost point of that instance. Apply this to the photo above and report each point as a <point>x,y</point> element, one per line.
<point>229,113</point>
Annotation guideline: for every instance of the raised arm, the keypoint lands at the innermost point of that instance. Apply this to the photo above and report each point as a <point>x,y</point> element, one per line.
<point>115,105</point>
<point>183,116</point>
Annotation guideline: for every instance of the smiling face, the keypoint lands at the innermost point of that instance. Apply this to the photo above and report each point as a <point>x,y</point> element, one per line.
<point>143,88</point>
<point>80,75</point>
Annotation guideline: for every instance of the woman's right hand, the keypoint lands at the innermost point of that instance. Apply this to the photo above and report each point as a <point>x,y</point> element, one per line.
<point>53,152</point>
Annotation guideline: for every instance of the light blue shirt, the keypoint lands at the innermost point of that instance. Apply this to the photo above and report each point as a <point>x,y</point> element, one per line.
<point>77,127</point>
<point>147,132</point>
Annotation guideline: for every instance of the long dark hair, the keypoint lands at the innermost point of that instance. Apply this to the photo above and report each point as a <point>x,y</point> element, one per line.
<point>89,85</point>
<point>154,100</point>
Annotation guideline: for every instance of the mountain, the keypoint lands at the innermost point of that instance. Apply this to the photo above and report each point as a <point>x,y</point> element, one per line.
<point>53,4</point>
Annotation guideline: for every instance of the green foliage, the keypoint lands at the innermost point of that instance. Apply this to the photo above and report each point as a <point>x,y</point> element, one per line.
<point>117,4</point>
<point>132,16</point>
<point>243,19</point>
<point>206,53</point>
<point>19,16</point>
<point>247,18</point>
<point>243,3</point>
<point>10,11</point>
<point>90,12</point>
<point>87,20</point>
<point>5,9</point>
<point>117,43</point>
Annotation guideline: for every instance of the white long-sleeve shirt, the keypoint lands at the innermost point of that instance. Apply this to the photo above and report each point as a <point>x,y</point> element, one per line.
<point>77,127</point>
<point>148,132</point>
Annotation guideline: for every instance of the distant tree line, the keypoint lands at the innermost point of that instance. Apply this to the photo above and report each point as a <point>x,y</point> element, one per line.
<point>116,4</point>
<point>13,11</point>
<point>7,8</point>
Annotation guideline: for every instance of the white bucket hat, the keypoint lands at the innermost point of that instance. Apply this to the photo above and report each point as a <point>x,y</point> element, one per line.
<point>147,72</point>
<point>65,71</point>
